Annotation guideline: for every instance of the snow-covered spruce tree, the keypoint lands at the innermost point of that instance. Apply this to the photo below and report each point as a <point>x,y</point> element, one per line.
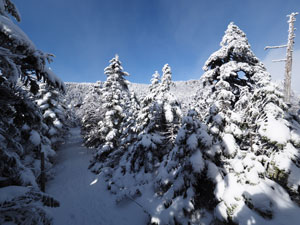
<point>21,142</point>
<point>49,100</point>
<point>155,82</point>
<point>233,85</point>
<point>182,183</point>
<point>21,138</point>
<point>128,132</point>
<point>157,118</point>
<point>25,205</point>
<point>239,112</point>
<point>116,96</point>
<point>18,55</point>
<point>171,108</point>
<point>274,134</point>
<point>128,135</point>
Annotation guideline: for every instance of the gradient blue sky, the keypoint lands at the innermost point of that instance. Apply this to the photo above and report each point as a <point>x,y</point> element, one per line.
<point>85,35</point>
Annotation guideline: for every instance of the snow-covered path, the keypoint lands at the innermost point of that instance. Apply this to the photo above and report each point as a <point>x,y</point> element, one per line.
<point>83,198</point>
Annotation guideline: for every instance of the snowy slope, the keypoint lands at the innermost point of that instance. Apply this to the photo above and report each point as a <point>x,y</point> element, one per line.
<point>83,198</point>
<point>183,91</point>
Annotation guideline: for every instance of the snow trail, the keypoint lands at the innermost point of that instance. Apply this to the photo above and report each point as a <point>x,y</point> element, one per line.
<point>83,198</point>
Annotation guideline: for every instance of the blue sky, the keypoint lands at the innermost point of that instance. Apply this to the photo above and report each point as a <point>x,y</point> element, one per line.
<point>85,35</point>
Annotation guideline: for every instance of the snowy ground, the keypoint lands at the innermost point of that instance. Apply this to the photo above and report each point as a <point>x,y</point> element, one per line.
<point>83,198</point>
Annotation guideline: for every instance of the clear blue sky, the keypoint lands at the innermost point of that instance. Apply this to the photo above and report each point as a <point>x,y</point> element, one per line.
<point>85,35</point>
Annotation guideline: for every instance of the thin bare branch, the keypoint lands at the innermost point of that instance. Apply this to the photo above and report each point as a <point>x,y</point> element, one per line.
<point>279,60</point>
<point>272,47</point>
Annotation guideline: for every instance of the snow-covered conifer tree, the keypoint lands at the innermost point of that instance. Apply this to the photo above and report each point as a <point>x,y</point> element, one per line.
<point>49,100</point>
<point>274,137</point>
<point>239,107</point>
<point>21,137</point>
<point>116,96</point>
<point>171,108</point>
<point>182,176</point>
<point>158,116</point>
<point>236,80</point>
<point>157,123</point>
<point>19,56</point>
<point>155,81</point>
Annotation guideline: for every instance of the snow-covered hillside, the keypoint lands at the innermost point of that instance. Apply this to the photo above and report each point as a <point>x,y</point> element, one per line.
<point>183,90</point>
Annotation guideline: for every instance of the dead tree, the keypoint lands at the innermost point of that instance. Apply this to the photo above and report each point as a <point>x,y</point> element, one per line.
<point>289,57</point>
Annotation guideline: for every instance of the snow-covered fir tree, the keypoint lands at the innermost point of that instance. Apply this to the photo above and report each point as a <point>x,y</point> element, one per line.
<point>233,120</point>
<point>21,136</point>
<point>157,124</point>
<point>239,106</point>
<point>151,138</point>
<point>19,56</point>
<point>182,183</point>
<point>155,82</point>
<point>22,140</point>
<point>49,100</point>
<point>273,131</point>
<point>79,96</point>
<point>171,107</point>
<point>116,95</point>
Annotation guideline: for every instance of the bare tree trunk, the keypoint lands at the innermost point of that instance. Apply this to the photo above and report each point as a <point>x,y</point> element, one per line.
<point>43,180</point>
<point>289,58</point>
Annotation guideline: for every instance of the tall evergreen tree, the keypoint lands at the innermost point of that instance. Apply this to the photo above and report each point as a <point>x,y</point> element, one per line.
<point>239,106</point>
<point>238,82</point>
<point>182,176</point>
<point>21,135</point>
<point>158,116</point>
<point>171,107</point>
<point>50,102</point>
<point>116,96</point>
<point>19,56</point>
<point>157,124</point>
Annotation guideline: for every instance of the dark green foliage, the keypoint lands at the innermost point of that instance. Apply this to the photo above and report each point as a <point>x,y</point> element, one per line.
<point>204,192</point>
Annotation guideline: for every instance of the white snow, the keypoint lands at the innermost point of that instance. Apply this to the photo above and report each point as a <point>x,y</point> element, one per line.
<point>229,144</point>
<point>110,136</point>
<point>220,211</point>
<point>15,33</point>
<point>52,131</point>
<point>237,165</point>
<point>49,113</point>
<point>27,177</point>
<point>192,142</point>
<point>197,161</point>
<point>168,113</point>
<point>84,199</point>
<point>35,138</point>
<point>10,192</point>
<point>57,124</point>
<point>48,151</point>
<point>275,130</point>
